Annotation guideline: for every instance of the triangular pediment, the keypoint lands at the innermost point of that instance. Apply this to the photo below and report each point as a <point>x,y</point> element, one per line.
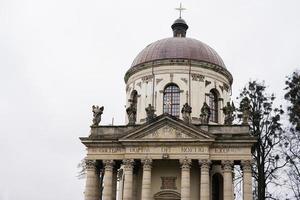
<point>166,128</point>
<point>167,132</point>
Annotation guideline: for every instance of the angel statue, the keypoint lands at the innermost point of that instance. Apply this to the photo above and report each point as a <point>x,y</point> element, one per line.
<point>186,112</point>
<point>205,113</point>
<point>97,112</point>
<point>229,110</point>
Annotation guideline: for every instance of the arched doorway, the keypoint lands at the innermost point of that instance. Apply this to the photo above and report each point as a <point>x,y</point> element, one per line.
<point>217,187</point>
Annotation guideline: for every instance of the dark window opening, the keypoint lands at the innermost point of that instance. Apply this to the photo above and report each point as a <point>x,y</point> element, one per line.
<point>171,100</point>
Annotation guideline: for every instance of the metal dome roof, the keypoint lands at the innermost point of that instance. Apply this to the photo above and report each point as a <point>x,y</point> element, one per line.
<point>178,48</point>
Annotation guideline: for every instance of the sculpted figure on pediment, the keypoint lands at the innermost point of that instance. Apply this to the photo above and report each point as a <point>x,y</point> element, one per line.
<point>167,132</point>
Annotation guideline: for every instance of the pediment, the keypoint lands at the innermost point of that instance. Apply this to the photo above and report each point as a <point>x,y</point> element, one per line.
<point>167,129</point>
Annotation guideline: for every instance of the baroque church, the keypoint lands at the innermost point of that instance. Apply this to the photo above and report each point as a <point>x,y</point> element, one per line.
<point>179,141</point>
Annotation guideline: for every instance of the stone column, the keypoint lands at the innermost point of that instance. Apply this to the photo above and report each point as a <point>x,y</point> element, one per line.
<point>227,176</point>
<point>107,180</point>
<point>247,179</point>
<point>204,179</point>
<point>114,183</point>
<point>92,188</point>
<point>185,179</point>
<point>128,168</point>
<point>146,182</point>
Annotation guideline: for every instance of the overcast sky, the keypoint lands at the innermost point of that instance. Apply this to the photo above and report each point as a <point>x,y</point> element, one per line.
<point>59,57</point>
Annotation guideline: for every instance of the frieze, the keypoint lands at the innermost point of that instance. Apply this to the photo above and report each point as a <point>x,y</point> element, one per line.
<point>105,150</point>
<point>186,150</point>
<point>229,150</point>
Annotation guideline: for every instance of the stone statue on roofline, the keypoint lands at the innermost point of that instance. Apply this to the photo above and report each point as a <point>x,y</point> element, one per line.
<point>205,113</point>
<point>186,112</point>
<point>150,111</point>
<point>245,109</point>
<point>131,113</point>
<point>228,111</point>
<point>97,112</point>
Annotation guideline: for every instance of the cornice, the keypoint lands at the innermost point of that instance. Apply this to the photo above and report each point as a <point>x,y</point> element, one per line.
<point>185,62</point>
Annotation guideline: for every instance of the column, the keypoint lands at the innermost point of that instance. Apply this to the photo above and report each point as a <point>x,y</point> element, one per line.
<point>247,179</point>
<point>114,183</point>
<point>227,176</point>
<point>204,179</point>
<point>128,168</point>
<point>107,180</point>
<point>92,181</point>
<point>146,182</point>
<point>185,179</point>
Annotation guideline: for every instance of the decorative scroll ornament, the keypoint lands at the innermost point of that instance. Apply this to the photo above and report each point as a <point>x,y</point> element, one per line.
<point>228,111</point>
<point>205,164</point>
<point>245,109</point>
<point>128,164</point>
<point>198,77</point>
<point>205,113</point>
<point>131,113</point>
<point>246,165</point>
<point>108,164</point>
<point>185,163</point>
<point>90,164</point>
<point>150,113</point>
<point>147,163</point>
<point>97,112</point>
<point>227,165</point>
<point>186,112</point>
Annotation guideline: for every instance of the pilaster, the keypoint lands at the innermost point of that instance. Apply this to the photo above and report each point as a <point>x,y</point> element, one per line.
<point>108,179</point>
<point>128,173</point>
<point>146,182</point>
<point>247,179</point>
<point>185,179</point>
<point>227,176</point>
<point>204,179</point>
<point>92,190</point>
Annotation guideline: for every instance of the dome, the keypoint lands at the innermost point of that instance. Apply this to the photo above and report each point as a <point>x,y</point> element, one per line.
<point>178,48</point>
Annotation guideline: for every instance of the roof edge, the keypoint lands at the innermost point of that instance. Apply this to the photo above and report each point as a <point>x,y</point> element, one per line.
<point>178,61</point>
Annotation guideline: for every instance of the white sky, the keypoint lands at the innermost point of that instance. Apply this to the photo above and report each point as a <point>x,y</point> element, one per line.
<point>59,57</point>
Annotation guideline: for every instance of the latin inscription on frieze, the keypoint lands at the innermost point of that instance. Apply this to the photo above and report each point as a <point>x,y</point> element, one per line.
<point>227,150</point>
<point>193,150</point>
<point>156,150</point>
<point>139,150</point>
<point>108,150</point>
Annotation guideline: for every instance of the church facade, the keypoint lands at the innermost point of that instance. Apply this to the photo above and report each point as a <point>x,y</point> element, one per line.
<point>179,141</point>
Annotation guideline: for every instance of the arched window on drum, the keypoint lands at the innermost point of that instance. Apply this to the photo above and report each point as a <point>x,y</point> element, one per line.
<point>213,105</point>
<point>171,100</point>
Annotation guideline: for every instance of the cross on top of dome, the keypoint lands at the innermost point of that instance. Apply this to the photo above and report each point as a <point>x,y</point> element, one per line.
<point>180,9</point>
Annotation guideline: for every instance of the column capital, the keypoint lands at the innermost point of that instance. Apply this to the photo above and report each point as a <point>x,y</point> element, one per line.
<point>246,165</point>
<point>108,164</point>
<point>185,163</point>
<point>227,165</point>
<point>128,164</point>
<point>90,164</point>
<point>147,163</point>
<point>204,164</point>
